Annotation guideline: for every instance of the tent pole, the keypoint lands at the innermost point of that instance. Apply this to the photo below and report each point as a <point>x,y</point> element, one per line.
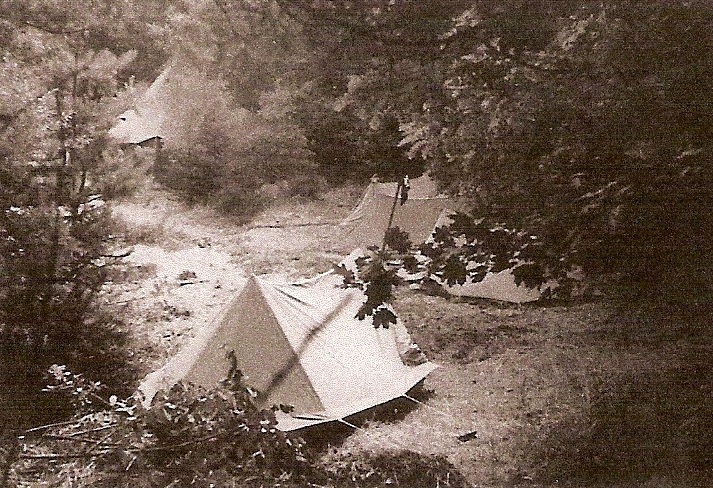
<point>399,187</point>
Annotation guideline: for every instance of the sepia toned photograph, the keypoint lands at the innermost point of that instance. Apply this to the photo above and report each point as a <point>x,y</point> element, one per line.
<point>356,243</point>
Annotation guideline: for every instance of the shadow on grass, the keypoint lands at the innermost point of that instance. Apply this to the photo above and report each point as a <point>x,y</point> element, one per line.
<point>368,468</point>
<point>653,426</point>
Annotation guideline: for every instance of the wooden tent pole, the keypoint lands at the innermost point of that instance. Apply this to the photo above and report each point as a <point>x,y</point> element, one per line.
<point>399,186</point>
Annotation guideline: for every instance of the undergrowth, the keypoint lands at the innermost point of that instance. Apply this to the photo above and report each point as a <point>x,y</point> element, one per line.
<point>193,437</point>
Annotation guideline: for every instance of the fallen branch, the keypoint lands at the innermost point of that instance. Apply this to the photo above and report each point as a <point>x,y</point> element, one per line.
<point>78,439</point>
<point>49,426</point>
<point>111,447</point>
<point>190,282</point>
<point>97,443</point>
<point>54,456</point>
<point>122,254</point>
<point>96,429</point>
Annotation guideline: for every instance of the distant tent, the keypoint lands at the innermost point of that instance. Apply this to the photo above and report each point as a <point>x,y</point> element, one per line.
<point>424,210</point>
<point>136,129</point>
<point>298,344</point>
<point>367,223</point>
<point>143,124</point>
<point>495,286</point>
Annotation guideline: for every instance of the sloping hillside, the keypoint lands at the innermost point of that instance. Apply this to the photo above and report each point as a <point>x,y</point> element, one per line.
<point>536,395</point>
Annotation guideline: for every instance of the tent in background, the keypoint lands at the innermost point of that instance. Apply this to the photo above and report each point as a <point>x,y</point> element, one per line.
<point>301,345</point>
<point>495,286</point>
<point>143,124</point>
<point>424,210</point>
<point>367,223</point>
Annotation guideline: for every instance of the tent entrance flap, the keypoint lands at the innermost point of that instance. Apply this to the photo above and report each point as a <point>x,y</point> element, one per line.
<point>252,332</point>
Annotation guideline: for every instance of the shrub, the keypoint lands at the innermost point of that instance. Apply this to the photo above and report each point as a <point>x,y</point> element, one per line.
<point>243,204</point>
<point>307,186</point>
<point>123,173</point>
<point>191,174</point>
<point>189,436</point>
<point>196,437</point>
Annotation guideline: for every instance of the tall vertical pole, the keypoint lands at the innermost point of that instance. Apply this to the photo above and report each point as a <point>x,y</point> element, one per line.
<point>399,188</point>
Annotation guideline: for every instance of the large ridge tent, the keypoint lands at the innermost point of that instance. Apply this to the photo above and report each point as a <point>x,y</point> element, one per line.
<point>424,210</point>
<point>300,345</point>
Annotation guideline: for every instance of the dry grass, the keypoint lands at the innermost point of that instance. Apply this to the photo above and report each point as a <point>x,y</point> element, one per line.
<point>557,397</point>
<point>577,395</point>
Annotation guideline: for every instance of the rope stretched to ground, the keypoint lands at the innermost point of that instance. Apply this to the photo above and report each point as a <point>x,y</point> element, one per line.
<point>451,420</point>
<point>369,434</point>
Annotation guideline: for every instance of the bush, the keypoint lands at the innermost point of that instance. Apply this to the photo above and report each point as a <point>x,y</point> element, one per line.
<point>189,436</point>
<point>307,186</point>
<point>196,437</point>
<point>243,204</point>
<point>192,175</point>
<point>123,173</point>
<point>220,154</point>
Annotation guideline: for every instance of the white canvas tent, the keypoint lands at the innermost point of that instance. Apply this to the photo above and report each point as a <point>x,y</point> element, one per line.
<point>424,210</point>
<point>495,286</point>
<point>301,345</point>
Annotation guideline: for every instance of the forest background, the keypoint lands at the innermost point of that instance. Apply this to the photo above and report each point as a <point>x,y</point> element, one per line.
<point>577,134</point>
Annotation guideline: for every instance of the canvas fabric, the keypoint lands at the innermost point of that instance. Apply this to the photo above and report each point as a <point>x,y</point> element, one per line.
<point>300,345</point>
<point>495,286</point>
<point>147,120</point>
<point>366,224</point>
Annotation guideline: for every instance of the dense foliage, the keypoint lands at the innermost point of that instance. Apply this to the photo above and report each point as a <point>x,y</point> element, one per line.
<point>189,437</point>
<point>229,109</point>
<point>577,131</point>
<point>589,133</point>
<point>59,66</point>
<point>220,153</point>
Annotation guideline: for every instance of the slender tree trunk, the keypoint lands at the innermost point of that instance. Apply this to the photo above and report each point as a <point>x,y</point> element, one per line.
<point>59,194</point>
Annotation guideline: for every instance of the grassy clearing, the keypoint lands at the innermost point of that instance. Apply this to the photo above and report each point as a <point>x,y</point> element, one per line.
<point>578,395</point>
